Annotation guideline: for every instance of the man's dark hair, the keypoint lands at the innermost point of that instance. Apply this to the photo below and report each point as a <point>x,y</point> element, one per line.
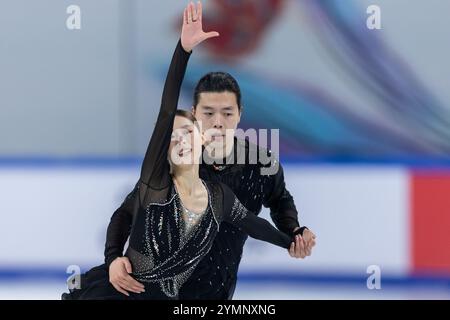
<point>217,82</point>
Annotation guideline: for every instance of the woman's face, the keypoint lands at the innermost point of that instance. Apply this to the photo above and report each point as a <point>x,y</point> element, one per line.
<point>186,143</point>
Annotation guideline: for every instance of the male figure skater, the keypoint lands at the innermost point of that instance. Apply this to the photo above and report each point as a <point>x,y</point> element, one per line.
<point>217,106</point>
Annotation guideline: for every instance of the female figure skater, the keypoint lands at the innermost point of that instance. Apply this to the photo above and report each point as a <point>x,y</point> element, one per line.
<point>176,214</point>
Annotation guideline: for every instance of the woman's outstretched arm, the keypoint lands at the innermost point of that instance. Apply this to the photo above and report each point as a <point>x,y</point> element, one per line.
<point>154,171</point>
<point>155,168</point>
<point>258,228</point>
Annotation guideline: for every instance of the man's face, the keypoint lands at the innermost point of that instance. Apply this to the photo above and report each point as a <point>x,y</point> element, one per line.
<point>219,115</point>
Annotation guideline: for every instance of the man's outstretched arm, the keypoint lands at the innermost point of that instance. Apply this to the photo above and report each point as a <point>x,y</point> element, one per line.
<point>285,216</point>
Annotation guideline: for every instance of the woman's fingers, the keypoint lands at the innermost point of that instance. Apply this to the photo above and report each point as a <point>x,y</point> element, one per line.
<point>134,284</point>
<point>192,10</point>
<point>189,13</point>
<point>307,248</point>
<point>301,245</point>
<point>194,13</point>
<point>200,11</point>
<point>301,248</point>
<point>124,285</point>
<point>120,290</point>
<point>128,284</point>
<point>185,16</point>
<point>292,250</point>
<point>209,35</point>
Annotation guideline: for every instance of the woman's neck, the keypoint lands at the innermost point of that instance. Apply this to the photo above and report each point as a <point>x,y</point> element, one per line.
<point>187,179</point>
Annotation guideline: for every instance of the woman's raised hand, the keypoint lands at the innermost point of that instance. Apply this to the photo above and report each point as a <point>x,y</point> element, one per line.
<point>192,32</point>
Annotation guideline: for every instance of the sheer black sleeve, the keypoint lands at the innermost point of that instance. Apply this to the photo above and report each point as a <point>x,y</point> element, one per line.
<point>258,228</point>
<point>155,167</point>
<point>119,227</point>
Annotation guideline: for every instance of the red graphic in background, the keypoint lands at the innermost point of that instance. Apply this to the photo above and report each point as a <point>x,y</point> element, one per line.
<point>430,199</point>
<point>241,24</point>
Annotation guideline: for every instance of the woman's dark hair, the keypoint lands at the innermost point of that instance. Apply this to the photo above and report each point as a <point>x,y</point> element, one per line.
<point>185,114</point>
<point>188,115</point>
<point>217,82</point>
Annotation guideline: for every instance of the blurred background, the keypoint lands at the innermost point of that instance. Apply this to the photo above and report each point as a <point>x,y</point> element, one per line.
<point>364,119</point>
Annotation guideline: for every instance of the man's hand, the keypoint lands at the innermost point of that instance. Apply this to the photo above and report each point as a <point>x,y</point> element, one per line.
<point>192,33</point>
<point>302,247</point>
<point>119,277</point>
<point>309,238</point>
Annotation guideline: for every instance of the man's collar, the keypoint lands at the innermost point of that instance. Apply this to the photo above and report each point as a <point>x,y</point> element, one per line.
<point>223,163</point>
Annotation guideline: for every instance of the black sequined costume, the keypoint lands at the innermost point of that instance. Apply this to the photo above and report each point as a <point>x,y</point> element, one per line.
<point>162,250</point>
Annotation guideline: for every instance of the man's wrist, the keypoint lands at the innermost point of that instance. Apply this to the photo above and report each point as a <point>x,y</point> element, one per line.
<point>299,230</point>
